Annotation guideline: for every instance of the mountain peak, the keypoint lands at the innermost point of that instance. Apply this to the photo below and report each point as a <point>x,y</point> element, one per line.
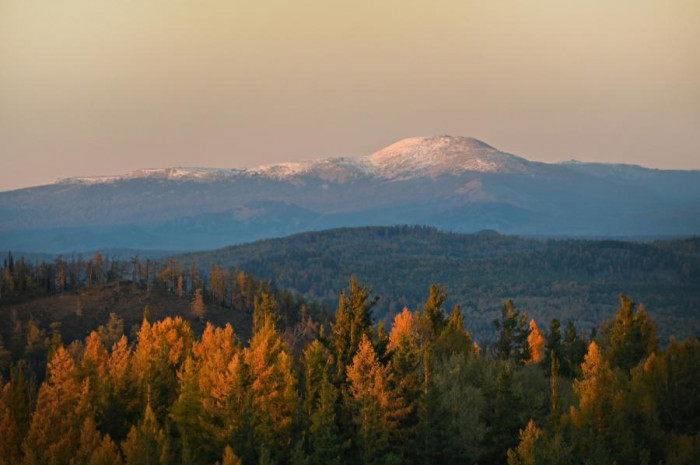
<point>406,159</point>
<point>433,156</point>
<point>440,143</point>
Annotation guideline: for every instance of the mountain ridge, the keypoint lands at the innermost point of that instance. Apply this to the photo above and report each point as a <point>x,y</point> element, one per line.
<point>454,183</point>
<point>433,156</point>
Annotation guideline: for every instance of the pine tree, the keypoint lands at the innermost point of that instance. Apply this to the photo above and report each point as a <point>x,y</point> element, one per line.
<point>360,307</point>
<point>505,420</point>
<point>453,339</point>
<point>552,348</point>
<point>433,308</point>
<point>512,334</point>
<point>573,350</point>
<point>631,336</point>
<point>340,337</point>
<point>325,442</point>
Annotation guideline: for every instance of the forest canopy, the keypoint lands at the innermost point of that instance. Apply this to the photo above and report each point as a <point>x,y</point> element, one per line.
<point>310,388</point>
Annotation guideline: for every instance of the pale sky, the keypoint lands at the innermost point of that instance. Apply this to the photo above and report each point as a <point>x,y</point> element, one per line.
<point>105,87</point>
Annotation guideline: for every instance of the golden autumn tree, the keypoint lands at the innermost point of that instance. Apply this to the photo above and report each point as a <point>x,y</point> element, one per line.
<point>222,384</point>
<point>229,458</point>
<point>406,358</point>
<point>524,454</point>
<point>375,407</point>
<point>594,391</point>
<point>600,398</point>
<point>197,306</point>
<point>62,406</point>
<point>536,343</point>
<point>94,367</point>
<point>272,388</point>
<point>161,350</point>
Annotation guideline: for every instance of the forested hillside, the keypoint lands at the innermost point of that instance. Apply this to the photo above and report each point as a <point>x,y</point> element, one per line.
<point>74,297</point>
<point>418,391</point>
<point>565,279</point>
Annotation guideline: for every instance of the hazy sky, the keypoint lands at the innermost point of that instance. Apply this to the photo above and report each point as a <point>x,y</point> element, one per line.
<point>104,86</point>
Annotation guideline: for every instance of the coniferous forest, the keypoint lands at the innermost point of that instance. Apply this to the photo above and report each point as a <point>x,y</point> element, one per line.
<point>296,384</point>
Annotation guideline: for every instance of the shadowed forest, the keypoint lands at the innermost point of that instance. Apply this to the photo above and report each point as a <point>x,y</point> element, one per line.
<point>307,387</point>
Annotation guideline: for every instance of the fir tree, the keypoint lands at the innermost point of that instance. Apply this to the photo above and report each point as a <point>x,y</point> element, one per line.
<point>512,334</point>
<point>631,336</point>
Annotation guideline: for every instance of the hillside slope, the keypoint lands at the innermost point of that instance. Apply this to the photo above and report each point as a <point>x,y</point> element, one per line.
<point>566,279</point>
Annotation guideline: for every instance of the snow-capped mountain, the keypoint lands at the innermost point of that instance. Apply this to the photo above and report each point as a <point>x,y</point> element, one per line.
<point>407,158</point>
<point>456,183</point>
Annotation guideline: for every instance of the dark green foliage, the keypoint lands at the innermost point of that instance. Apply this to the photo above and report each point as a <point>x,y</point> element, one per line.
<point>552,348</point>
<point>573,349</point>
<point>512,334</point>
<point>567,279</point>
<point>630,336</point>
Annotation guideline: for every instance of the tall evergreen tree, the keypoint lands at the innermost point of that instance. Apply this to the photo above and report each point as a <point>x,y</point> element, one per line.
<point>630,336</point>
<point>512,333</point>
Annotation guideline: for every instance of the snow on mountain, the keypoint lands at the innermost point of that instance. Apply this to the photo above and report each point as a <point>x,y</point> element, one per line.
<point>453,183</point>
<point>434,156</point>
<point>178,173</point>
<point>406,159</point>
